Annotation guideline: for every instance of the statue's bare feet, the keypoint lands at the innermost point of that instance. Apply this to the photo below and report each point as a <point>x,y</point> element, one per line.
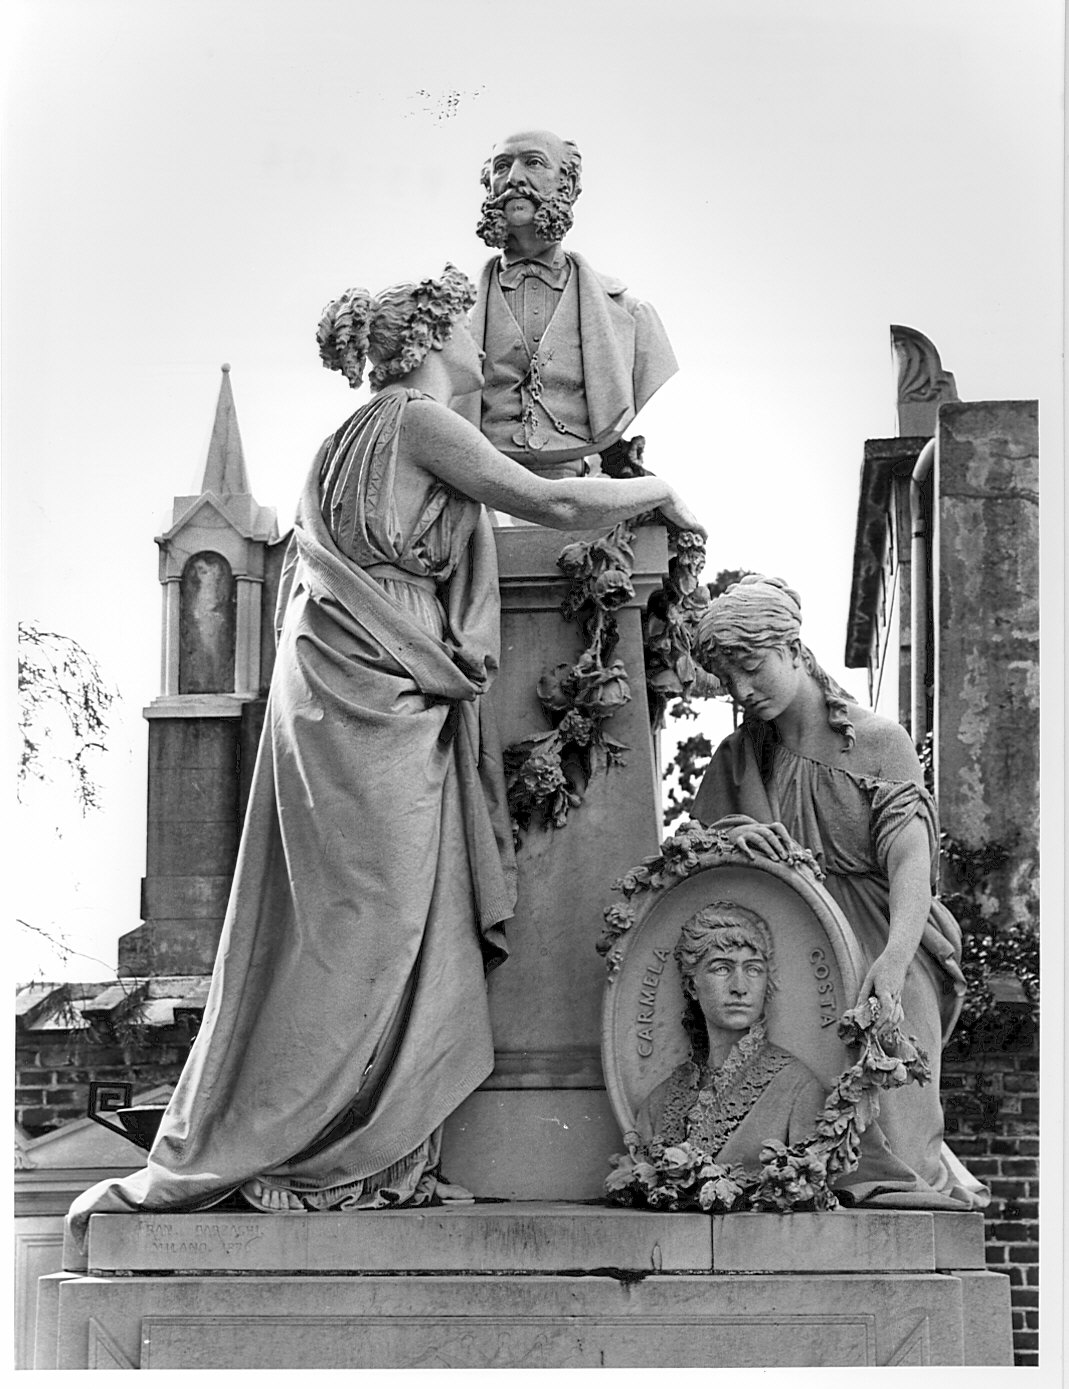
<point>269,1198</point>
<point>453,1195</point>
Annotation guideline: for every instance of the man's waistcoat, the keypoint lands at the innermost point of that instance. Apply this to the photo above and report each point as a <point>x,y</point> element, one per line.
<point>533,397</point>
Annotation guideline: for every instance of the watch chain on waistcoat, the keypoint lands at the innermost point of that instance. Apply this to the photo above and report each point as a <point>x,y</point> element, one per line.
<point>531,387</point>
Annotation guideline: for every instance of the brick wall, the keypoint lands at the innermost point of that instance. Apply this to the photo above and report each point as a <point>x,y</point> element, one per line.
<point>991,1102</point>
<point>53,1072</point>
<point>134,1029</point>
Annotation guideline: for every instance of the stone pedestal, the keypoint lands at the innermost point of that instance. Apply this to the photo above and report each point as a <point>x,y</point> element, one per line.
<point>541,1127</point>
<point>526,1285</point>
<point>202,750</point>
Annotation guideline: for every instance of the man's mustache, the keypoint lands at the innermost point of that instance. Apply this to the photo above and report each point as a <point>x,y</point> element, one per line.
<point>514,190</point>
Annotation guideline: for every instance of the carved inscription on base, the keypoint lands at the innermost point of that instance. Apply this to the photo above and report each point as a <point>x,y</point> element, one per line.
<point>215,1236</point>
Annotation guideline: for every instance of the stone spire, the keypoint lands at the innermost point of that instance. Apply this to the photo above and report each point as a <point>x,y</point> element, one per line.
<point>224,472</point>
<point>225,486</point>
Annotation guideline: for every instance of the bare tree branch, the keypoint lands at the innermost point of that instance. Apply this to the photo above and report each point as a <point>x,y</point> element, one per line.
<point>60,681</point>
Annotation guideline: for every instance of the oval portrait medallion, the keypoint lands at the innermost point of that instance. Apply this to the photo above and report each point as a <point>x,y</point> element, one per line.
<point>815,967</point>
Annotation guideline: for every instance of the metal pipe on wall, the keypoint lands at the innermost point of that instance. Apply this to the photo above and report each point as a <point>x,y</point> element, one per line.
<point>918,625</point>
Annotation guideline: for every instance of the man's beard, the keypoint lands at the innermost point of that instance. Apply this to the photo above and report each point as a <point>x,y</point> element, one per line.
<point>552,219</point>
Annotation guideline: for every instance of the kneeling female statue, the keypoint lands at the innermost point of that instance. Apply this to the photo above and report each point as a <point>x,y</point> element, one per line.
<point>811,766</point>
<point>347,1016</point>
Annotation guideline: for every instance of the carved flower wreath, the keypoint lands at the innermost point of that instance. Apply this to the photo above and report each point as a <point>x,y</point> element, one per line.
<point>796,1178</point>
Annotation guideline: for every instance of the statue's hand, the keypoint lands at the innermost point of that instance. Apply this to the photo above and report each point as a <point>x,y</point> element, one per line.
<point>679,514</point>
<point>771,841</point>
<point>885,981</point>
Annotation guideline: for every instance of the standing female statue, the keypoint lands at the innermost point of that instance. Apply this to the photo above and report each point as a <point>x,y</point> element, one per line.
<point>811,765</point>
<point>737,1090</point>
<point>347,1016</point>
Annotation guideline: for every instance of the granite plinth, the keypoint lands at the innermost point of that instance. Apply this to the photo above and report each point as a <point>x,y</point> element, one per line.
<point>959,1240</point>
<point>539,1321</point>
<point>843,1241</point>
<point>987,1317</point>
<point>531,1284</point>
<point>43,1343</point>
<point>528,1237</point>
<point>522,1237</point>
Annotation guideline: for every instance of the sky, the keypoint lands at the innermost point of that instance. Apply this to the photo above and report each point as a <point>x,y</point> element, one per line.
<point>189,183</point>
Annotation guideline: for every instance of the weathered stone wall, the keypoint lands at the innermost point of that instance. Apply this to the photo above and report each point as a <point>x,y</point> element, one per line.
<point>991,1102</point>
<point>194,823</point>
<point>987,639</point>
<point>200,770</point>
<point>987,783</point>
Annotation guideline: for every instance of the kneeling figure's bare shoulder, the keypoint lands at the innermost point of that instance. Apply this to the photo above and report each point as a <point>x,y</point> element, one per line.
<point>883,748</point>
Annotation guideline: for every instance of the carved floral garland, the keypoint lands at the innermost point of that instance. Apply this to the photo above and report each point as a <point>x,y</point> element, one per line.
<point>668,629</point>
<point>680,1176</point>
<point>679,857</point>
<point>546,772</point>
<point>577,699</point>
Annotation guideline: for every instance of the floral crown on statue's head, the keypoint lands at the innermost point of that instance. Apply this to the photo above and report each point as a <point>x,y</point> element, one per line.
<point>396,328</point>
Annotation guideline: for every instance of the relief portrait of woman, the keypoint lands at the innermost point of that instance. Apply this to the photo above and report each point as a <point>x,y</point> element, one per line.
<point>737,1090</point>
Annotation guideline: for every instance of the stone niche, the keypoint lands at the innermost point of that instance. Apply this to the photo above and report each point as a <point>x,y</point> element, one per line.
<point>207,625</point>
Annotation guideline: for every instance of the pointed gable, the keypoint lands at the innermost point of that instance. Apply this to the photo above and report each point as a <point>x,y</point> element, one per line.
<point>225,502</point>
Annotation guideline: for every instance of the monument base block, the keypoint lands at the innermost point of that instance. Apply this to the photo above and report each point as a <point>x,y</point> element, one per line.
<point>526,1284</point>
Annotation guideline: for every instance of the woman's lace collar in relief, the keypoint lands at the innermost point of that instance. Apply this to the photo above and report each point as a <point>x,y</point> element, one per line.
<point>706,1105</point>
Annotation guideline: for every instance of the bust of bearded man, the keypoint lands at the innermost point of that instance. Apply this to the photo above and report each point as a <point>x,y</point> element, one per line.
<point>571,356</point>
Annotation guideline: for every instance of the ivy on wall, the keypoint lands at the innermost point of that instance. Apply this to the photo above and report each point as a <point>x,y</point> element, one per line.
<point>1000,960</point>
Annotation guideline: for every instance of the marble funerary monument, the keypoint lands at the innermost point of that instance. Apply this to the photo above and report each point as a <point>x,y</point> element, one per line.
<point>539,1271</point>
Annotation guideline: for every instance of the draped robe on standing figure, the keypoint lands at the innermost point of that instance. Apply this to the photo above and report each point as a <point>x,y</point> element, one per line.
<point>347,1015</point>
